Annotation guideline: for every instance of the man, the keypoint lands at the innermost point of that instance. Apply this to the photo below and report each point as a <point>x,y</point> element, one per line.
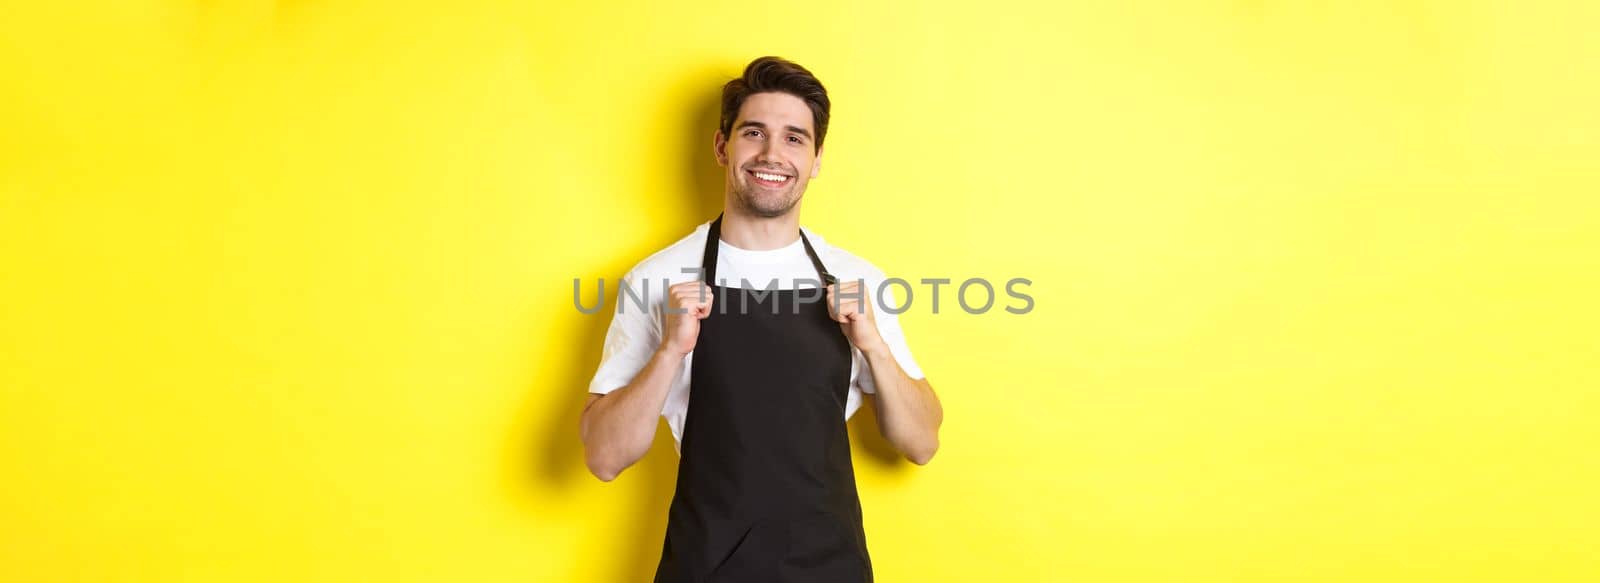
<point>757,385</point>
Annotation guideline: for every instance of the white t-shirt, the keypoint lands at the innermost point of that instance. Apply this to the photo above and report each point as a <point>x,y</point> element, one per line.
<point>635,334</point>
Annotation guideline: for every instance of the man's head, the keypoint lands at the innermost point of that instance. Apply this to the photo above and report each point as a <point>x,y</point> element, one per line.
<point>770,140</point>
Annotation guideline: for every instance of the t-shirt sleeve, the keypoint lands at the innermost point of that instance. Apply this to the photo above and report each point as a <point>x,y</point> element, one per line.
<point>893,336</point>
<point>631,339</point>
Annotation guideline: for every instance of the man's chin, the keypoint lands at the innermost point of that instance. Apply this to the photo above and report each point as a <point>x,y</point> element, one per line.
<point>774,207</point>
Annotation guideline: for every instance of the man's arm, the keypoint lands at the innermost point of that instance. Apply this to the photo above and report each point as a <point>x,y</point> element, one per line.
<point>909,413</point>
<point>616,428</point>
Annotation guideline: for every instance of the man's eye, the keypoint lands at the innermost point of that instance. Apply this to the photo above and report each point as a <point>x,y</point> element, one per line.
<point>752,133</point>
<point>794,139</point>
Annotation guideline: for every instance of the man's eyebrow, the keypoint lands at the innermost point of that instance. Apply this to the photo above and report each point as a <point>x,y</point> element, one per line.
<point>757,124</point>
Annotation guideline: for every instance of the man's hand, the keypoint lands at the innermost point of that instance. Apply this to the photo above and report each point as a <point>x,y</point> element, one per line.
<point>687,304</point>
<point>849,306</point>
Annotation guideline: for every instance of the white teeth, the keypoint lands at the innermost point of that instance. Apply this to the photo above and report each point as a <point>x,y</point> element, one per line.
<point>771,177</point>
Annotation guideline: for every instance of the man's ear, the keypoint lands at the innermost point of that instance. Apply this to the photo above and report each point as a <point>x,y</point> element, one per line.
<point>816,163</point>
<point>719,146</point>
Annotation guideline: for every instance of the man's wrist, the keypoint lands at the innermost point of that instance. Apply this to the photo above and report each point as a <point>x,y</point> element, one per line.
<point>875,350</point>
<point>668,354</point>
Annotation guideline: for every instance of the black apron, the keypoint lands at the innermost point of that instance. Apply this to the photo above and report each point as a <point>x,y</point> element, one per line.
<point>766,491</point>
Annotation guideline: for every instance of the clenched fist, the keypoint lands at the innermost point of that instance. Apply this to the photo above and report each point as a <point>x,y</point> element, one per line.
<point>849,306</point>
<point>687,304</point>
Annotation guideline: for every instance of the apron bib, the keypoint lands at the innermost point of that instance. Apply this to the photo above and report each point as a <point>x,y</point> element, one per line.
<point>766,491</point>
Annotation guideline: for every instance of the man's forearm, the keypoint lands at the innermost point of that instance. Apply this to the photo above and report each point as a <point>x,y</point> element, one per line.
<point>617,429</point>
<point>909,413</point>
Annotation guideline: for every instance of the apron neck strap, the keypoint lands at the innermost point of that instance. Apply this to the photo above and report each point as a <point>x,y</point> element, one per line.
<point>708,261</point>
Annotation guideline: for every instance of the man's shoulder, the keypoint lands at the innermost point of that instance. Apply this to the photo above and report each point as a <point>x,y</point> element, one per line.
<point>669,262</point>
<point>841,262</point>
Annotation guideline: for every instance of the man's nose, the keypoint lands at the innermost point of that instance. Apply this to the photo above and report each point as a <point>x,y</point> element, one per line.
<point>767,152</point>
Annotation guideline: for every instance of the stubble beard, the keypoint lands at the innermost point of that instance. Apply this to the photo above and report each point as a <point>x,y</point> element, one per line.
<point>763,203</point>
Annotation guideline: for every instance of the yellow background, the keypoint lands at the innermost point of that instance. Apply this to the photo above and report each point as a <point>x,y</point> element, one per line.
<point>287,287</point>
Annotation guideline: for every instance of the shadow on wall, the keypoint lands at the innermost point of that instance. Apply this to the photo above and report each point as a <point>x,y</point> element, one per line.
<point>557,453</point>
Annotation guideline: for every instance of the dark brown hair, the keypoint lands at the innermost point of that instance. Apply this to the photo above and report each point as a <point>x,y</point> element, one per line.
<point>769,74</point>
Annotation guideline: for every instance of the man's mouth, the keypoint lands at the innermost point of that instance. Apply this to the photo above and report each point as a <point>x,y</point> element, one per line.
<point>769,179</point>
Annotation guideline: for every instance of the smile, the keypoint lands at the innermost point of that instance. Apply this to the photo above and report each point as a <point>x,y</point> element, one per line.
<point>769,179</point>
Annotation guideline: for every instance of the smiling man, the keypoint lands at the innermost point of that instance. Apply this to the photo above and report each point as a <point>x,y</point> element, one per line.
<point>756,360</point>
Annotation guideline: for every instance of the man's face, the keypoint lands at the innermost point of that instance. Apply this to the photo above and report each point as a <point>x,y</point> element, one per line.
<point>770,156</point>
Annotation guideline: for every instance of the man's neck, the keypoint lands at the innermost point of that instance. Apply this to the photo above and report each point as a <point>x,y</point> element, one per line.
<point>760,233</point>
